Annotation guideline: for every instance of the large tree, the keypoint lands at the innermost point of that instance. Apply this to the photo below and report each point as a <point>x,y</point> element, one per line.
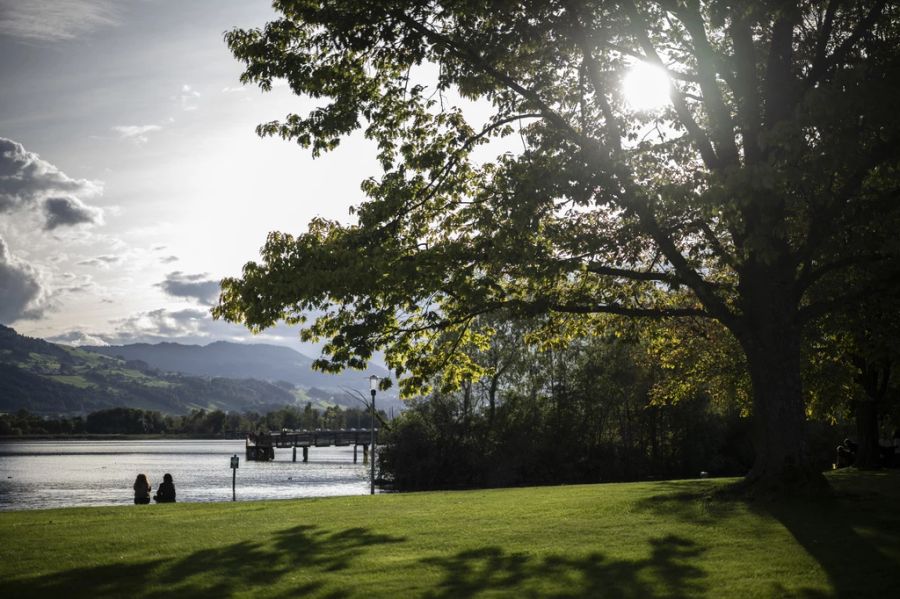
<point>770,172</point>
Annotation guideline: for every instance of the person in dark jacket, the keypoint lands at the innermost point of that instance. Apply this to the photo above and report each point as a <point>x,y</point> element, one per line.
<point>141,489</point>
<point>166,491</point>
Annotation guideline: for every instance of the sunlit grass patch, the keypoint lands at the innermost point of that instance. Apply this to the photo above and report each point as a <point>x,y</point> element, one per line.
<point>662,539</point>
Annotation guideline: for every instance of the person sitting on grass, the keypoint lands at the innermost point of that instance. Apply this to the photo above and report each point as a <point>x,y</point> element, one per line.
<point>846,454</point>
<point>141,489</point>
<point>166,491</point>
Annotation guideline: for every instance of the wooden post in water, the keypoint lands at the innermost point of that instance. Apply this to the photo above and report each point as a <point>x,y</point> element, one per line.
<point>295,453</point>
<point>305,454</point>
<point>354,452</point>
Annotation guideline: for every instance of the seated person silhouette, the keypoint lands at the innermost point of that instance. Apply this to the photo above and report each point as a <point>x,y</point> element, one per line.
<point>165,493</point>
<point>141,490</point>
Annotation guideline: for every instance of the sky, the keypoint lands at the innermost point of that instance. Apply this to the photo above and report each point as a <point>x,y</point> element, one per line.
<point>131,177</point>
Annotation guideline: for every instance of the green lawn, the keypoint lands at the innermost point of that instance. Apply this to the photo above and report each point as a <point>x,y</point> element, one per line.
<point>665,539</point>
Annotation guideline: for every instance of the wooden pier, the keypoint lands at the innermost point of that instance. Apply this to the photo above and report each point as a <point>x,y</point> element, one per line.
<point>261,447</point>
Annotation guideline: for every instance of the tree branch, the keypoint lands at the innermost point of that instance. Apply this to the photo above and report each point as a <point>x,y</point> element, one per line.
<point>434,184</point>
<point>600,154</point>
<point>779,91</point>
<point>823,216</point>
<point>824,36</point>
<point>718,249</point>
<point>889,281</point>
<point>474,57</point>
<point>721,122</point>
<point>746,89</point>
<point>633,275</point>
<point>821,67</point>
<point>809,276</point>
<point>684,114</point>
<point>653,313</point>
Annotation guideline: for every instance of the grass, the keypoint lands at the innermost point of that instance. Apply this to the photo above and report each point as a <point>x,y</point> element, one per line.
<point>663,539</point>
<point>74,380</point>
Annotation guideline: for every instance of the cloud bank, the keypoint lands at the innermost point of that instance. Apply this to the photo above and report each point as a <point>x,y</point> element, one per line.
<point>22,295</point>
<point>189,326</point>
<point>198,287</point>
<point>55,20</point>
<point>29,183</point>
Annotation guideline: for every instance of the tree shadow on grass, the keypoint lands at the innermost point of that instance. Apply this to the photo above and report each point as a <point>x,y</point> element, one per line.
<point>855,540</point>
<point>853,535</point>
<point>700,503</point>
<point>665,573</point>
<point>309,551</point>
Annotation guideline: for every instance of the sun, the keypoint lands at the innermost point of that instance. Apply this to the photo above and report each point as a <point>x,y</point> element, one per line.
<point>646,87</point>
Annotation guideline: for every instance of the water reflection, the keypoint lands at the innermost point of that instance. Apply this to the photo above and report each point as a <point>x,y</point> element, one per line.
<point>45,474</point>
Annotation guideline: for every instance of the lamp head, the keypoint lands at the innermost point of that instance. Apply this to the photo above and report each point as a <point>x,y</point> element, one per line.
<point>373,384</point>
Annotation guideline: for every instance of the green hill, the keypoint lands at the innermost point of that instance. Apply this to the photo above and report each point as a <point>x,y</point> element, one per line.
<point>45,378</point>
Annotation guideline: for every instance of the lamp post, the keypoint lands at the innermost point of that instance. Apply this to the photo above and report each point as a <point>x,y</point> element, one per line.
<point>373,386</point>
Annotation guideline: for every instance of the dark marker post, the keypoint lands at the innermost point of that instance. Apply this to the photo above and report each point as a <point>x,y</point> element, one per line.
<point>373,386</point>
<point>234,467</point>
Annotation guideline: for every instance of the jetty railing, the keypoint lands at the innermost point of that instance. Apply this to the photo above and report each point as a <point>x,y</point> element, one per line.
<point>261,446</point>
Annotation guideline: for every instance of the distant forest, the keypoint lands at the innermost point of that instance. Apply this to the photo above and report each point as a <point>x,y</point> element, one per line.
<point>215,423</point>
<point>645,401</point>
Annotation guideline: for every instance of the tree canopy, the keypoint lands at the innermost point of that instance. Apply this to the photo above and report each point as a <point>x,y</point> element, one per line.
<point>770,173</point>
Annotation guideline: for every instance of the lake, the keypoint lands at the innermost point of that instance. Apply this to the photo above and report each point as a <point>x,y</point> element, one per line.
<point>49,474</point>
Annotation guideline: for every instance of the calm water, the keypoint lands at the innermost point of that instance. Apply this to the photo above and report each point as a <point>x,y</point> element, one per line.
<point>45,474</point>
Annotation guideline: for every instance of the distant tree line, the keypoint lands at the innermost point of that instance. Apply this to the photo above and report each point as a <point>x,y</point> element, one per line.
<point>214,423</point>
<point>651,401</point>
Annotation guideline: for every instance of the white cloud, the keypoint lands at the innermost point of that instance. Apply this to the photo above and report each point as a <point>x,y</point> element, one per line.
<point>55,20</point>
<point>22,293</point>
<point>164,324</point>
<point>189,326</point>
<point>77,338</point>
<point>136,133</point>
<point>101,261</point>
<point>27,182</point>
<point>188,97</point>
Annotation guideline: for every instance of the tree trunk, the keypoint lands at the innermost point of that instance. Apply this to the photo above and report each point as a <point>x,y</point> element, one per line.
<point>771,341</point>
<point>873,377</point>
<point>868,453</point>
<point>492,399</point>
<point>467,407</point>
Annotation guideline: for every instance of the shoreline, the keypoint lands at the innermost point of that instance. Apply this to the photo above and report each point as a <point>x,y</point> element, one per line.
<point>117,437</point>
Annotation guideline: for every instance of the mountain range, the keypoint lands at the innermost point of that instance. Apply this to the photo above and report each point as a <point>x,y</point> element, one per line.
<point>47,378</point>
<point>238,360</point>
